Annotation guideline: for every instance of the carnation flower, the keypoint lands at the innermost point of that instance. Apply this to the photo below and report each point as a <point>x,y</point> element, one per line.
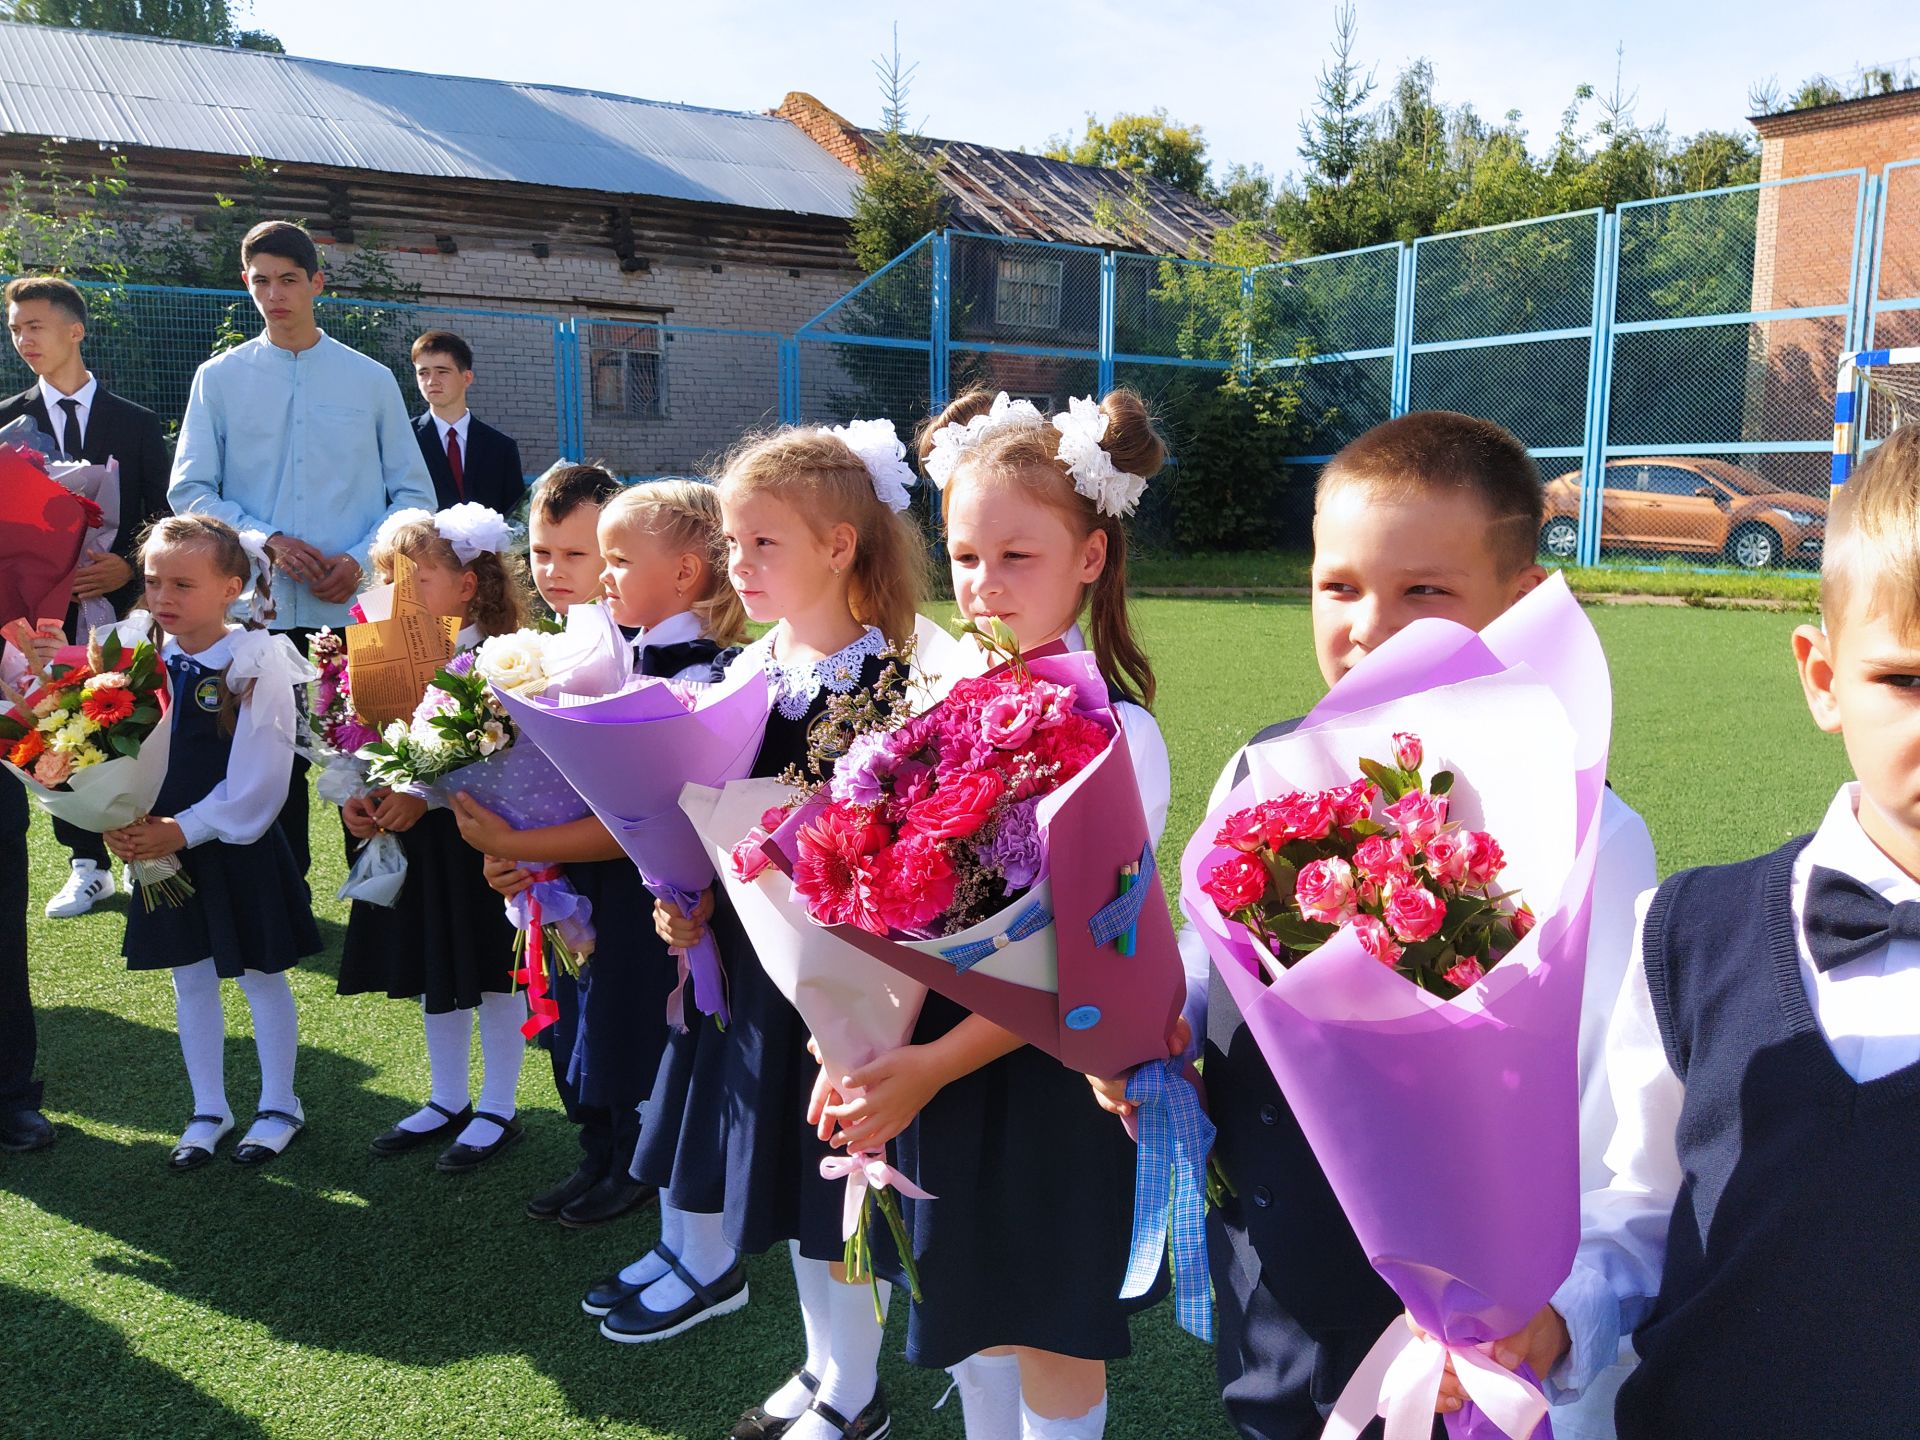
<point>1014,850</point>
<point>859,777</point>
<point>915,882</point>
<point>108,680</point>
<point>53,768</point>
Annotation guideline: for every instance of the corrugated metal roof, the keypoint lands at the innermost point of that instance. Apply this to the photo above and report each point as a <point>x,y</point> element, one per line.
<point>134,90</point>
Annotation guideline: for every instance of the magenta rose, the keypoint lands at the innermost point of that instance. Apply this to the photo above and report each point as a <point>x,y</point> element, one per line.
<point>959,807</point>
<point>1468,973</point>
<point>1307,814</point>
<point>1244,830</point>
<point>1325,891</point>
<point>1447,857</point>
<point>915,882</point>
<point>748,857</point>
<point>1485,859</point>
<point>1408,752</point>
<point>1414,912</point>
<point>1521,922</point>
<point>1353,803</point>
<point>1377,939</point>
<point>1236,884</point>
<point>1419,816</point>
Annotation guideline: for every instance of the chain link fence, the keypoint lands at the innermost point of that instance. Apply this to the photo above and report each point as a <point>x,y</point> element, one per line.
<point>1670,365</point>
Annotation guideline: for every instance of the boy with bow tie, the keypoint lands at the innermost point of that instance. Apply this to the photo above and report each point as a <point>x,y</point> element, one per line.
<point>1761,1235</point>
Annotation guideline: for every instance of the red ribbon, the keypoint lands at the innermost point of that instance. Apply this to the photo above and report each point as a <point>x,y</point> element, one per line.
<point>546,1010</point>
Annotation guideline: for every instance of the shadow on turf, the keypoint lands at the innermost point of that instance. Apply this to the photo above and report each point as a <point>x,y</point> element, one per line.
<point>332,1249</point>
<point>69,1352</point>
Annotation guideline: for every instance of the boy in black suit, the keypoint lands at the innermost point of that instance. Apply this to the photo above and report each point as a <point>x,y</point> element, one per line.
<point>47,319</point>
<point>469,460</point>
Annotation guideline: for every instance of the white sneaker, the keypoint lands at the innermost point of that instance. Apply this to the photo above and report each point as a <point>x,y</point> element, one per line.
<point>86,887</point>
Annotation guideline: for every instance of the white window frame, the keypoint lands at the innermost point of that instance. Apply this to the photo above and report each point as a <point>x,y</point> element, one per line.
<point>1027,291</point>
<point>631,356</point>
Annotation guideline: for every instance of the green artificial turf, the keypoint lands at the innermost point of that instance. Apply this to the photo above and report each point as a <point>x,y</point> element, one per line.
<point>335,1295</point>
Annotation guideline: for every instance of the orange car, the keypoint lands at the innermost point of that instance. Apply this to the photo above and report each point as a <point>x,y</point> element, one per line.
<point>1689,505</point>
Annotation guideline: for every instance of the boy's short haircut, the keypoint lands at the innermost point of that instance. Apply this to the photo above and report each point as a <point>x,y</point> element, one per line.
<point>1873,537</point>
<point>284,239</point>
<point>63,294</point>
<point>1439,452</point>
<point>565,488</point>
<point>444,342</point>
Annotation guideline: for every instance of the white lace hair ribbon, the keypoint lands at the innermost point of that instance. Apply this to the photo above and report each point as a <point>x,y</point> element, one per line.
<point>880,449</point>
<point>1082,428</point>
<point>952,441</point>
<point>473,529</point>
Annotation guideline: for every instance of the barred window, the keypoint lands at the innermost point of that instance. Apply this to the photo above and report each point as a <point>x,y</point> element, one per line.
<point>629,372</point>
<point>1027,292</point>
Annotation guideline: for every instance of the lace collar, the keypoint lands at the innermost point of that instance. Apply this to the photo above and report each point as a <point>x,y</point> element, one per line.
<point>795,687</point>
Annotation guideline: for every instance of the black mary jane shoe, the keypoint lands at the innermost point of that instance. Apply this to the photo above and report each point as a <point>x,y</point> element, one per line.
<point>193,1156</point>
<point>255,1152</point>
<point>873,1423</point>
<point>757,1424</point>
<point>610,1292</point>
<point>23,1129</point>
<point>399,1140</point>
<point>548,1204</point>
<point>633,1323</point>
<point>459,1158</point>
<point>607,1201</point>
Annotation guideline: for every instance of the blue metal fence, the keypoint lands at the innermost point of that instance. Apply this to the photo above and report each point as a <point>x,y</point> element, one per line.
<point>1668,364</point>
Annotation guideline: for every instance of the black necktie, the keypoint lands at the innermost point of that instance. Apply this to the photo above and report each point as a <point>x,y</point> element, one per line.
<point>70,428</point>
<point>1846,921</point>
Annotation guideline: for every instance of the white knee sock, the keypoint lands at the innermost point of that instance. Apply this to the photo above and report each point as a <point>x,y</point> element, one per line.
<point>989,1387</point>
<point>203,1040</point>
<point>275,1035</point>
<point>449,1059</point>
<point>1090,1426</point>
<point>502,1048</point>
<point>650,1267</point>
<point>854,1336</point>
<point>703,1251</point>
<point>812,1279</point>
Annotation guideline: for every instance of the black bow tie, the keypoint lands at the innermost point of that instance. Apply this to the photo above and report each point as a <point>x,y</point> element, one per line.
<point>1846,921</point>
<point>670,660</point>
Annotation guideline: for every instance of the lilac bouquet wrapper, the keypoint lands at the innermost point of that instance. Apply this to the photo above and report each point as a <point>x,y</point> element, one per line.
<point>1449,1130</point>
<point>526,789</point>
<point>629,754</point>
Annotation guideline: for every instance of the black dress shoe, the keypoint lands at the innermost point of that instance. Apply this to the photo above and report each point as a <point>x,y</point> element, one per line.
<point>399,1140</point>
<point>457,1158</point>
<point>873,1423</point>
<point>611,1292</point>
<point>609,1200</point>
<point>632,1323</point>
<point>257,1152</point>
<point>187,1156</point>
<point>25,1129</point>
<point>548,1204</point>
<point>757,1424</point>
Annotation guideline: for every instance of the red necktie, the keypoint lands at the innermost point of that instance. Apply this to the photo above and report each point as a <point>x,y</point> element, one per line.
<point>454,464</point>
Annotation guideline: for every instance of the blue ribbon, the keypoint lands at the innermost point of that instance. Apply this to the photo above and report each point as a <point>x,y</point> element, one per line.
<point>1118,916</point>
<point>1030,921</point>
<point>1170,1192</point>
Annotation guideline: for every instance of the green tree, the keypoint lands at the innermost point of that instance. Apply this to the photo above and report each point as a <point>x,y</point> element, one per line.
<point>1145,144</point>
<point>209,22</point>
<point>900,196</point>
<point>1329,211</point>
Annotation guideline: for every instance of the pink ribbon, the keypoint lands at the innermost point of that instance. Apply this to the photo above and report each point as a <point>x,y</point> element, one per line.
<point>545,1009</point>
<point>868,1168</point>
<point>1400,1380</point>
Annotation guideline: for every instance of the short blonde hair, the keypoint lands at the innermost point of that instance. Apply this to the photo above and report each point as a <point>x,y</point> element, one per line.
<point>1873,537</point>
<point>685,514</point>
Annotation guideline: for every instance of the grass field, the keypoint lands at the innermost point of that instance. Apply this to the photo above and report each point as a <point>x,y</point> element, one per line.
<point>335,1295</point>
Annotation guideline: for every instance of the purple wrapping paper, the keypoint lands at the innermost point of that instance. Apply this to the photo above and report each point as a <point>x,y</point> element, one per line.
<point>1448,1130</point>
<point>629,754</point>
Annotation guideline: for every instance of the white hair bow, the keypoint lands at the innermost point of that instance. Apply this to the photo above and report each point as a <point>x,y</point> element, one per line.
<point>258,598</point>
<point>952,441</point>
<point>880,449</point>
<point>1112,490</point>
<point>469,527</point>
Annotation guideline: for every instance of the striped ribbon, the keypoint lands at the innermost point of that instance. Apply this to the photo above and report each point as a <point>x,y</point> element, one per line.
<point>1170,1192</point>
<point>1029,922</point>
<point>1122,914</point>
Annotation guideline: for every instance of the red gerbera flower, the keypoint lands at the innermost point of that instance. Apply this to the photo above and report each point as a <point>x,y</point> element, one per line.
<point>834,873</point>
<point>108,707</point>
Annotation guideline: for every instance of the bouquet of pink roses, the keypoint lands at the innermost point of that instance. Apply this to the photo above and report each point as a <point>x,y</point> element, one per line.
<point>1378,854</point>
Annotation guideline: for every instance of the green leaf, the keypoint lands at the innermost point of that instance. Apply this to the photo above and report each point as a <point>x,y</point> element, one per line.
<point>1384,776</point>
<point>110,652</point>
<point>145,715</point>
<point>1299,934</point>
<point>1442,783</point>
<point>124,744</point>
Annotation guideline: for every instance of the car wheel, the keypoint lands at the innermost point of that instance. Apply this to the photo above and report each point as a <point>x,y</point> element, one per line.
<point>1753,547</point>
<point>1560,538</point>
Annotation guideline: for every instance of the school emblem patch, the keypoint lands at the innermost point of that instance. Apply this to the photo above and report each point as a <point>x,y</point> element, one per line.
<point>207,693</point>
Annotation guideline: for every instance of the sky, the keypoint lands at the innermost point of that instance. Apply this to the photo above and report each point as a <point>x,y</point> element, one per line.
<point>1243,72</point>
